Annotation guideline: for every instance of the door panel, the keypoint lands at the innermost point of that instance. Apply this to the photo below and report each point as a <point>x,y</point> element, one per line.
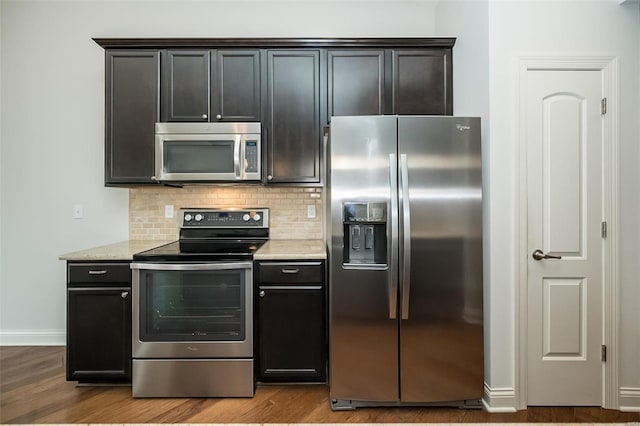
<point>564,155</point>
<point>563,184</point>
<point>186,85</point>
<point>293,116</point>
<point>564,319</point>
<point>235,88</point>
<point>422,82</point>
<point>441,334</point>
<point>363,333</point>
<point>355,82</point>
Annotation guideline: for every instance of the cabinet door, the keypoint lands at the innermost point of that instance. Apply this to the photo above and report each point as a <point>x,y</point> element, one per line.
<point>422,82</point>
<point>132,84</point>
<point>293,116</point>
<point>291,327</point>
<point>99,334</point>
<point>185,85</point>
<point>356,81</point>
<point>235,88</point>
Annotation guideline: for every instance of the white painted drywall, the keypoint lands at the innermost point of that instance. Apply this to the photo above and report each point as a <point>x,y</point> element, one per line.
<point>468,21</point>
<point>526,28</point>
<point>52,109</point>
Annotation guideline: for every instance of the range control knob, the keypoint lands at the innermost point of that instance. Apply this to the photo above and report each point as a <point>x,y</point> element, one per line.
<point>199,217</point>
<point>187,217</point>
<point>256,217</point>
<point>246,217</point>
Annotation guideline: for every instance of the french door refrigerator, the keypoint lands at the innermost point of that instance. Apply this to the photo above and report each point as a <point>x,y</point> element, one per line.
<point>404,237</point>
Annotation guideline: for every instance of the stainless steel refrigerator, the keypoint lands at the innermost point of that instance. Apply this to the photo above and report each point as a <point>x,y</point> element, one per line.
<point>404,237</point>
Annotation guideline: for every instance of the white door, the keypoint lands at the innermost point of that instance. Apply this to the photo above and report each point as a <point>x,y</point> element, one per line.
<point>565,204</point>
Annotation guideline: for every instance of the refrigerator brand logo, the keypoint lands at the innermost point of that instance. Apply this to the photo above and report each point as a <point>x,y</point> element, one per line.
<point>462,127</point>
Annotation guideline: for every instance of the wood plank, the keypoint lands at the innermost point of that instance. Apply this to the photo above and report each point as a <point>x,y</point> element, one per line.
<point>33,389</point>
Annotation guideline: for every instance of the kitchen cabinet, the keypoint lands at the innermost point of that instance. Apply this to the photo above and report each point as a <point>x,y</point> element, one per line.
<point>422,82</point>
<point>99,322</point>
<point>356,82</point>
<point>291,85</point>
<point>292,123</point>
<point>211,85</point>
<point>291,321</point>
<point>236,90</point>
<point>132,109</point>
<point>373,82</point>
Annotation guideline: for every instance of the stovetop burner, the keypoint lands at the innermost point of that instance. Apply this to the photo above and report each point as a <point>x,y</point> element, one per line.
<point>214,235</point>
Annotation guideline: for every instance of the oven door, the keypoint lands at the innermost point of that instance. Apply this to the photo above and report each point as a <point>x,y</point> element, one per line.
<point>192,310</point>
<point>206,157</point>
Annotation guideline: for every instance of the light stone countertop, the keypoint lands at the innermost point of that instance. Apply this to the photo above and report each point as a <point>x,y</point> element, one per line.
<point>273,250</point>
<point>123,250</point>
<point>291,250</point>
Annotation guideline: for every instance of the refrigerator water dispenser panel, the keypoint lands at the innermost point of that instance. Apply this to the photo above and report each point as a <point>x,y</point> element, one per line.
<point>365,233</point>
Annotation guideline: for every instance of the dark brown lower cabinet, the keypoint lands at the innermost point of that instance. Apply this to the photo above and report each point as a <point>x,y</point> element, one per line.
<point>99,322</point>
<point>291,322</point>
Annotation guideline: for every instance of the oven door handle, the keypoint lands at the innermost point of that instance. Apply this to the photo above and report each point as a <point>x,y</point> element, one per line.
<point>191,266</point>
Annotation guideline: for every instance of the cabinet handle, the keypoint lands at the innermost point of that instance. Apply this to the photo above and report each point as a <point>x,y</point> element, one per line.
<point>219,117</point>
<point>262,293</point>
<point>154,178</point>
<point>269,177</point>
<point>124,294</point>
<point>97,272</point>
<point>204,116</point>
<point>290,270</point>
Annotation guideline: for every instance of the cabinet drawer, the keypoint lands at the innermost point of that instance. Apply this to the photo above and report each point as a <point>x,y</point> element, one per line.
<point>290,272</point>
<point>98,273</point>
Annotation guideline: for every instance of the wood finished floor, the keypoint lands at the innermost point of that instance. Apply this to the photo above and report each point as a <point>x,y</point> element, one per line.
<point>33,390</point>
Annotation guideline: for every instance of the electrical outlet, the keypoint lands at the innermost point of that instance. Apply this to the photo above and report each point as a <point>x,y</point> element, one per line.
<point>311,211</point>
<point>168,211</point>
<point>78,211</point>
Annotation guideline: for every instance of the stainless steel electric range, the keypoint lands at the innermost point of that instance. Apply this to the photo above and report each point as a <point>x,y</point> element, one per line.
<point>193,307</point>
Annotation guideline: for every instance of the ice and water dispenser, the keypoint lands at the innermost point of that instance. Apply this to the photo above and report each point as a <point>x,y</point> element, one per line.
<point>365,233</point>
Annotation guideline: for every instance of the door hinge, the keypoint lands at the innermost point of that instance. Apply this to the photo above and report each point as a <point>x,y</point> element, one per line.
<point>603,229</point>
<point>603,354</point>
<point>603,106</point>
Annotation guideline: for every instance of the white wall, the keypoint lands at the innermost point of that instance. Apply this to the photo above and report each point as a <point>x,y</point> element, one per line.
<point>52,109</point>
<point>468,21</point>
<point>561,28</point>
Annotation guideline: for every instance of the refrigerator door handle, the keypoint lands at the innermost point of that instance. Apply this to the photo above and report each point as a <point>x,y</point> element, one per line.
<point>406,236</point>
<point>393,264</point>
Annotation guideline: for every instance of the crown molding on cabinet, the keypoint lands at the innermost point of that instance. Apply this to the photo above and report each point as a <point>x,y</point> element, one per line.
<point>150,43</point>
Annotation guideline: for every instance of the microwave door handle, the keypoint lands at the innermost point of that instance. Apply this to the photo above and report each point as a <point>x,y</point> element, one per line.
<point>236,157</point>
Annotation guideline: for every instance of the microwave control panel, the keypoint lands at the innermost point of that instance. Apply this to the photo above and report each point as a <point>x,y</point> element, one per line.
<point>251,156</point>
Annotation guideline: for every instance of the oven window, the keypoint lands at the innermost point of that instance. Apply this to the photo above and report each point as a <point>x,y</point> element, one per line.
<point>192,305</point>
<point>198,156</point>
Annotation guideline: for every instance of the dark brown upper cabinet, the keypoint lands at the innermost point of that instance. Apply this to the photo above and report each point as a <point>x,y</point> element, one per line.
<point>211,85</point>
<point>292,122</point>
<point>132,108</point>
<point>185,84</point>
<point>373,82</point>
<point>356,82</point>
<point>291,85</point>
<point>422,82</point>
<point>235,92</point>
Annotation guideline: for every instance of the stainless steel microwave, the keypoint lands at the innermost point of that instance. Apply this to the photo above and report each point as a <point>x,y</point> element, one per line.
<point>208,152</point>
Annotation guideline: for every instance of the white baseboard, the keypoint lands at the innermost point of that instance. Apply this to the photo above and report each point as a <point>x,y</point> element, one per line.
<point>499,400</point>
<point>33,337</point>
<point>629,399</point>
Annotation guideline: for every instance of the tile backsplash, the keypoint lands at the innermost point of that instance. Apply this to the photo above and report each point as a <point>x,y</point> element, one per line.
<point>288,208</point>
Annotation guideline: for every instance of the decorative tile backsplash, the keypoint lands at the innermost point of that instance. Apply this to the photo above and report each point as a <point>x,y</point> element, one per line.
<point>288,208</point>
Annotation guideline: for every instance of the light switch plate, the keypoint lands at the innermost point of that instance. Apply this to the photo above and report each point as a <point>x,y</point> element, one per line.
<point>168,211</point>
<point>78,211</point>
